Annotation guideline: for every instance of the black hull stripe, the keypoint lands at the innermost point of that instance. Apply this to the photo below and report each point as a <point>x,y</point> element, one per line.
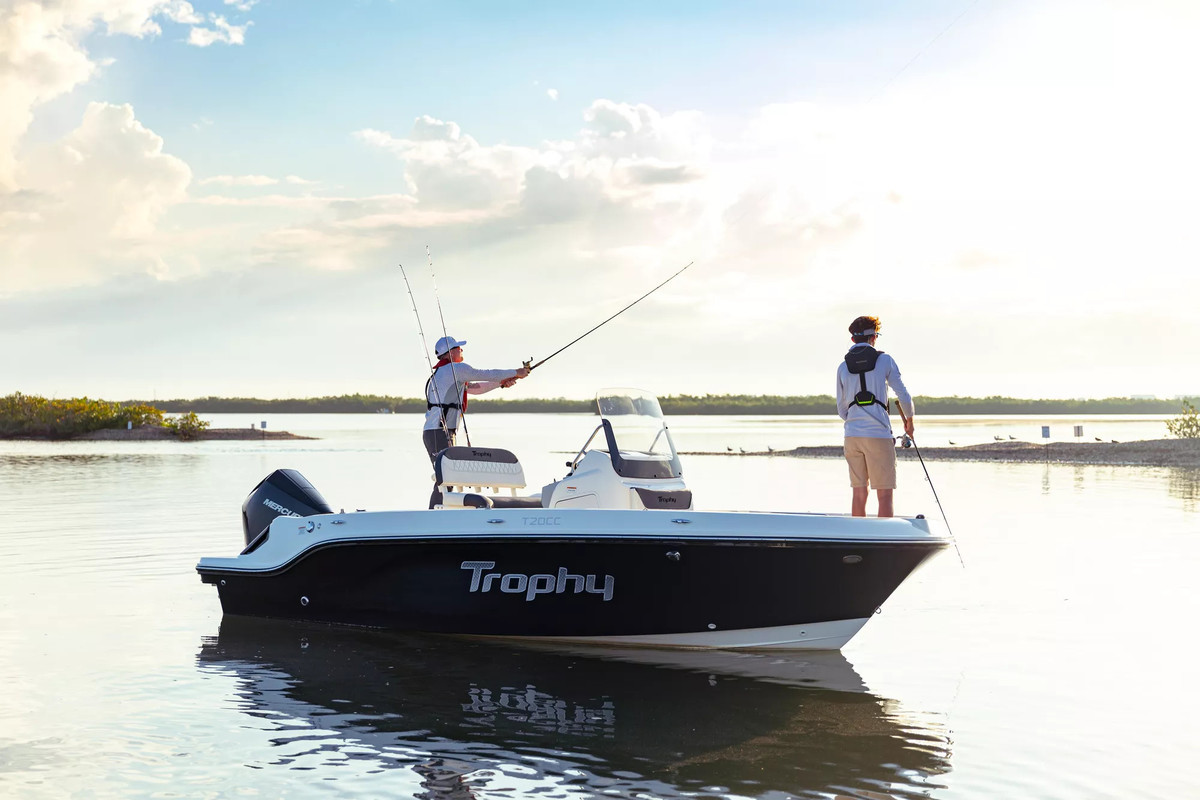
<point>933,545</point>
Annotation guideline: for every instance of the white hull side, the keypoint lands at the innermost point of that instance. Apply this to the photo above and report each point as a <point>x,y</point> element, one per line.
<point>816,636</point>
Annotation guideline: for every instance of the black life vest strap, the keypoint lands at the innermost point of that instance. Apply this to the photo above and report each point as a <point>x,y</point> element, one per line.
<point>866,398</point>
<point>860,361</point>
<point>443,406</point>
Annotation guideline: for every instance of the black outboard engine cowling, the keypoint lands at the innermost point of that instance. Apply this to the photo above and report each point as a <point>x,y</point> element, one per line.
<point>283,493</point>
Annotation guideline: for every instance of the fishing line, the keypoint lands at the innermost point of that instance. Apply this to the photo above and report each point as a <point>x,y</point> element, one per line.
<point>932,488</point>
<point>532,367</point>
<point>921,52</point>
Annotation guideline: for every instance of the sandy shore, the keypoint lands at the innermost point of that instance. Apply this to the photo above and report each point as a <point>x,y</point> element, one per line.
<point>1156,453</point>
<point>153,433</point>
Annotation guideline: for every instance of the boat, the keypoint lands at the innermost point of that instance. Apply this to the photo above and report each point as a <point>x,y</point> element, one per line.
<point>614,553</point>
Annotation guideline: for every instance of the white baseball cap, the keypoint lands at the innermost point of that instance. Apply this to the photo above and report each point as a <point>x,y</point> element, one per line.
<point>446,344</point>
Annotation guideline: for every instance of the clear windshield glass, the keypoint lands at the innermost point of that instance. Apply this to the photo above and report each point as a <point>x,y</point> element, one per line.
<point>637,422</point>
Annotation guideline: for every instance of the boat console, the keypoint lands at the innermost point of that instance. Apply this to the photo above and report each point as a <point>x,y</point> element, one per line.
<point>636,466</point>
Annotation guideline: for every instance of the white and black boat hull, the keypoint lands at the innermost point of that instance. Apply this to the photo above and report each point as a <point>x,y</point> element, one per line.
<point>701,579</point>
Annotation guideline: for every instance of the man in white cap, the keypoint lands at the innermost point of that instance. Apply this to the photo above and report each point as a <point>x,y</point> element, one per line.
<point>447,389</point>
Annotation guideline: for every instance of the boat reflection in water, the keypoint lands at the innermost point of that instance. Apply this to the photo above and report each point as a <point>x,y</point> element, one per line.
<point>477,716</point>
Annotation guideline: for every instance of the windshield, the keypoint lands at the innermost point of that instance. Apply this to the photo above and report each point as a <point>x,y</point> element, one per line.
<point>637,424</point>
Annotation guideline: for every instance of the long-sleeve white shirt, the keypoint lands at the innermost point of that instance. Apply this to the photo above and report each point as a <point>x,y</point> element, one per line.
<point>871,421</point>
<point>443,388</point>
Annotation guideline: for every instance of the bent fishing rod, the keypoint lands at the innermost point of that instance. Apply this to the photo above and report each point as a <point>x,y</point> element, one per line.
<point>929,480</point>
<point>531,366</point>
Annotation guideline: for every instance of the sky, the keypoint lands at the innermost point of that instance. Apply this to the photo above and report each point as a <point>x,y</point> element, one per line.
<point>225,197</point>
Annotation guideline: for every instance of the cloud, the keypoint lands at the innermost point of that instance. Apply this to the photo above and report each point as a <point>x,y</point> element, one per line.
<point>428,129</point>
<point>86,206</point>
<point>921,181</point>
<point>997,189</point>
<point>639,131</point>
<point>221,32</point>
<point>40,59</point>
<point>574,197</point>
<point>182,12</point>
<point>448,170</point>
<point>240,180</point>
<point>42,54</point>
<point>623,155</point>
<point>91,203</point>
<point>652,171</point>
<point>549,196</point>
<point>552,94</point>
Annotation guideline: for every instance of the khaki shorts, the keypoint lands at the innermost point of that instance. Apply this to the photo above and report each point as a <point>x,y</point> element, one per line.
<point>871,460</point>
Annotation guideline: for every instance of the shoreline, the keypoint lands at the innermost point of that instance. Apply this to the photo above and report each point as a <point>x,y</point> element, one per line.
<point>1183,453</point>
<point>154,433</point>
<point>1179,453</point>
<point>149,433</point>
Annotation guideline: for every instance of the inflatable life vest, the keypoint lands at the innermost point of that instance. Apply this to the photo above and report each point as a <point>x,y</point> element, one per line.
<point>860,361</point>
<point>443,406</point>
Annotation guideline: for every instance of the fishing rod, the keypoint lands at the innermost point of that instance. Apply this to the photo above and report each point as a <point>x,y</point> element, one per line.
<point>910,439</point>
<point>424,343</point>
<point>531,367</point>
<point>462,399</point>
<point>420,328</point>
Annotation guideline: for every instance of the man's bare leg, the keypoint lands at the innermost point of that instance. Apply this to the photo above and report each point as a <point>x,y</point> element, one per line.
<point>858,501</point>
<point>885,502</point>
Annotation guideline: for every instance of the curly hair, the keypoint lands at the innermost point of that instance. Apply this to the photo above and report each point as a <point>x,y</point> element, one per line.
<point>862,327</point>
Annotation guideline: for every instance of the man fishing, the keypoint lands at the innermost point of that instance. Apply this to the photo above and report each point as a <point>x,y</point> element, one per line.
<point>446,395</point>
<point>863,379</point>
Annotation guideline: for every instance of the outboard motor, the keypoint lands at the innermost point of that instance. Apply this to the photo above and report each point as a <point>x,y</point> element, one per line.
<point>283,493</point>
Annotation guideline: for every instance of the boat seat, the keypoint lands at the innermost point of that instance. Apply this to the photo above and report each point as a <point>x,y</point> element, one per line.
<point>516,502</point>
<point>478,467</point>
<point>475,500</point>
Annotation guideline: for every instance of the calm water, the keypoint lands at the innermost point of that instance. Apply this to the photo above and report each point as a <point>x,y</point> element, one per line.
<point>1057,664</point>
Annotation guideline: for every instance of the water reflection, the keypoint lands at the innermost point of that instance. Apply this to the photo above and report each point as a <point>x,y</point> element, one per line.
<point>86,471</point>
<point>471,715</point>
<point>1185,485</point>
<point>57,463</point>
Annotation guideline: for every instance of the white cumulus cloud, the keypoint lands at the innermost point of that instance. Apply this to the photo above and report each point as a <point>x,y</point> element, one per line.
<point>42,54</point>
<point>182,12</point>
<point>221,32</point>
<point>90,203</point>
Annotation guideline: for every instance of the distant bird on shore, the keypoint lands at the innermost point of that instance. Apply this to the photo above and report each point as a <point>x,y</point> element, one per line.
<point>730,449</point>
<point>954,443</point>
<point>998,438</point>
<point>741,449</point>
<point>770,449</point>
<point>1114,441</point>
<point>1010,436</point>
